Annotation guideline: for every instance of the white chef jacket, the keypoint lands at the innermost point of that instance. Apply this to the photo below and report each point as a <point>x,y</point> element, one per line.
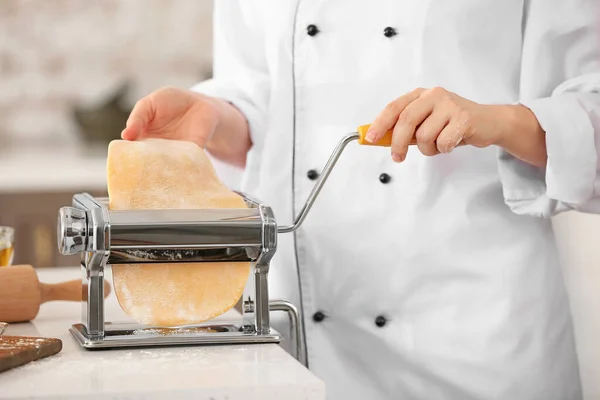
<point>438,278</point>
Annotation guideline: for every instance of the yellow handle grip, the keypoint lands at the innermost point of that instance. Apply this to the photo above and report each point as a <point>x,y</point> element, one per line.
<point>385,141</point>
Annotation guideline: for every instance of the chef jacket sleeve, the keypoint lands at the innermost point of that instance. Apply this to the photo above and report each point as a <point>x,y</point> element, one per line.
<point>239,68</point>
<point>560,83</point>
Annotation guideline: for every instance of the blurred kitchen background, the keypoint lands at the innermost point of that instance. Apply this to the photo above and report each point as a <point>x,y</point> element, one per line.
<point>70,71</point>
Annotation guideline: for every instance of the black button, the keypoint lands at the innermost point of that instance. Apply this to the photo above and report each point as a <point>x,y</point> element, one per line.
<point>385,178</point>
<point>389,32</point>
<point>380,321</point>
<point>318,316</point>
<point>312,174</point>
<point>312,30</point>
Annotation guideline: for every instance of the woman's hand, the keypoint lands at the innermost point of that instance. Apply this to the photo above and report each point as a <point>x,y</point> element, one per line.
<point>173,114</point>
<point>177,114</point>
<point>440,120</point>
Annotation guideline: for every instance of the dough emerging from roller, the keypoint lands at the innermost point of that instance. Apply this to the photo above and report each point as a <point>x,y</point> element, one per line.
<point>170,174</point>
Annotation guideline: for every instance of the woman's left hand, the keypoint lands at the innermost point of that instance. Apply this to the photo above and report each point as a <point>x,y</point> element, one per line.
<point>441,120</point>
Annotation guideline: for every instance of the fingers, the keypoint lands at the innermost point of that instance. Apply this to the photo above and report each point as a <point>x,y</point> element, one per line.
<point>438,119</point>
<point>451,136</point>
<point>138,120</point>
<point>410,118</point>
<point>428,132</point>
<point>389,116</point>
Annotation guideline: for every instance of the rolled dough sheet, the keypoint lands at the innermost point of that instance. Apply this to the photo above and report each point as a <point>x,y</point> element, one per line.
<point>169,174</point>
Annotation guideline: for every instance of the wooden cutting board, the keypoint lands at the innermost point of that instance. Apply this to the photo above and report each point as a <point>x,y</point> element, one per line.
<point>19,350</point>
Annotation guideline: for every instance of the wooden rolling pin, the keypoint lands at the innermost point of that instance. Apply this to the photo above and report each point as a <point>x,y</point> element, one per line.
<point>21,293</point>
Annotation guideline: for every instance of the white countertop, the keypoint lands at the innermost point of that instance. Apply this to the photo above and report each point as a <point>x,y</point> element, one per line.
<point>260,371</point>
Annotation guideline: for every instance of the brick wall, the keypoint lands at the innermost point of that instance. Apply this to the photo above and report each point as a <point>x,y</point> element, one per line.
<point>55,54</point>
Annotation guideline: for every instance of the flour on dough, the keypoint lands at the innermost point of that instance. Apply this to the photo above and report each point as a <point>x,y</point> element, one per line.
<point>170,174</point>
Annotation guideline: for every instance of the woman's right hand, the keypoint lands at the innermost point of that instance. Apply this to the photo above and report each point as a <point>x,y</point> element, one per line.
<point>171,113</point>
<point>177,114</point>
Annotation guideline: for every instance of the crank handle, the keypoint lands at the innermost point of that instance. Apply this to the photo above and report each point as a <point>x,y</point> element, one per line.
<point>360,136</point>
<point>386,140</point>
<point>319,183</point>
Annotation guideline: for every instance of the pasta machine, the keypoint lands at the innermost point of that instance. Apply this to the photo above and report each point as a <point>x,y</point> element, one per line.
<point>104,237</point>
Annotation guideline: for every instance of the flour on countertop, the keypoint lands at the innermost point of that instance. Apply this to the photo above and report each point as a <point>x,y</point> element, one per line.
<point>172,331</point>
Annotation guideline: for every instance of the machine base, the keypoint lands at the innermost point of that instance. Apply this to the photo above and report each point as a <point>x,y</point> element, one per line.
<point>132,335</point>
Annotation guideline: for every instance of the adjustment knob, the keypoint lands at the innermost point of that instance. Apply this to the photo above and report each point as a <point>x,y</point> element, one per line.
<point>71,231</point>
